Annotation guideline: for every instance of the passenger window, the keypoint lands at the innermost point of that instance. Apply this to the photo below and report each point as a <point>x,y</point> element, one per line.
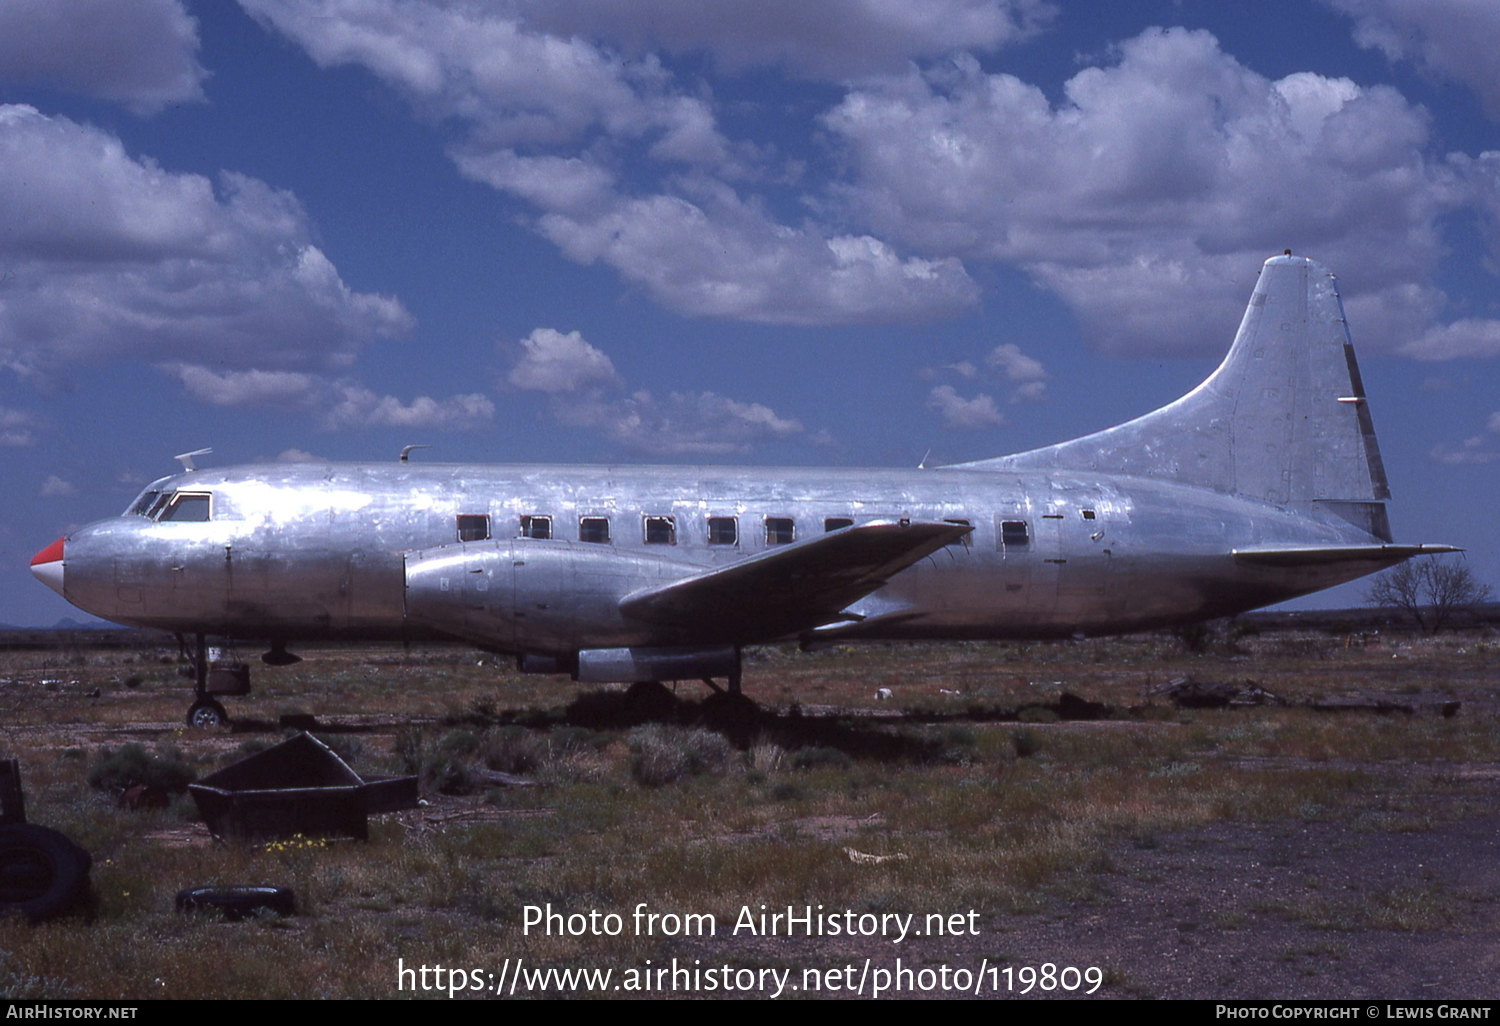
<point>594,529</point>
<point>473,527</point>
<point>661,531</point>
<point>187,507</point>
<point>723,531</point>
<point>780,531</point>
<point>536,527</point>
<point>837,523</point>
<point>1013,534</point>
<point>967,539</point>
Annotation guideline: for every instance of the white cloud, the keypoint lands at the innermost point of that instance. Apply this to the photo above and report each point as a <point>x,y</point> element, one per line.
<point>1473,452</point>
<point>297,456</point>
<point>551,118</point>
<point>962,414</point>
<point>142,53</point>
<point>1455,39</point>
<point>111,257</point>
<point>829,39</point>
<point>56,488</point>
<point>358,407</point>
<point>1016,364</point>
<point>583,391</point>
<point>339,404</point>
<point>687,424</point>
<point>1469,337</point>
<point>1149,197</point>
<point>553,362</point>
<point>16,427</point>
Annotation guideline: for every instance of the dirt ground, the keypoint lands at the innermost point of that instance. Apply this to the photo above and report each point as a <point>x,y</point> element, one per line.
<point>1378,895</point>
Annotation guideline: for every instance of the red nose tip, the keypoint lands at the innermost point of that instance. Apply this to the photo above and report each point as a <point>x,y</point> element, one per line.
<point>51,554</point>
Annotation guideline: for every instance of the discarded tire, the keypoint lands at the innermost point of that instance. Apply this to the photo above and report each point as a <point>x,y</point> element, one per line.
<point>238,902</point>
<point>42,873</point>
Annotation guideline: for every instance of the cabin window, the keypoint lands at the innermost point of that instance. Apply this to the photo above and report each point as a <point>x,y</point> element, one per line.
<point>967,539</point>
<point>723,531</point>
<point>187,507</point>
<point>1013,534</point>
<point>780,531</point>
<point>837,523</point>
<point>536,527</point>
<point>473,527</point>
<point>661,531</point>
<point>594,529</point>
<point>1088,514</point>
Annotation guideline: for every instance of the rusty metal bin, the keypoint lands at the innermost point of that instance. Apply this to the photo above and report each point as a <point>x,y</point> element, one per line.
<point>297,787</point>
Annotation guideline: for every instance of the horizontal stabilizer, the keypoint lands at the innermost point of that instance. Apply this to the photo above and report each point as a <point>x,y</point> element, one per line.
<point>1324,556</point>
<point>791,588</point>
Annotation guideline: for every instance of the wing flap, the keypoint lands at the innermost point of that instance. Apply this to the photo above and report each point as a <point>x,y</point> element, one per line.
<point>1326,555</point>
<point>791,588</point>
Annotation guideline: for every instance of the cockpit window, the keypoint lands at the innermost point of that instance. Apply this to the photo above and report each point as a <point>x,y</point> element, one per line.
<point>186,507</point>
<point>142,506</point>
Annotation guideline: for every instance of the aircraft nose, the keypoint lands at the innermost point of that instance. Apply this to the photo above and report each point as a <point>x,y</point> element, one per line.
<point>47,566</point>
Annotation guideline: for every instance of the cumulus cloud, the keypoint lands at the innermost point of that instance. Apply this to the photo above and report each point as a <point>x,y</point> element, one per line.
<point>108,256</point>
<point>835,39</point>
<point>339,404</point>
<point>1454,39</point>
<point>142,53</point>
<point>17,428</point>
<point>358,407</point>
<point>1025,375</point>
<point>685,424</point>
<point>56,488</point>
<point>962,414</point>
<point>553,362</point>
<point>1474,451</point>
<point>1468,337</point>
<point>550,119</point>
<point>584,391</point>
<point>1148,198</point>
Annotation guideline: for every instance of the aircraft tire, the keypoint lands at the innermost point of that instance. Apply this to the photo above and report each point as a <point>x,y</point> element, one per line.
<point>238,902</point>
<point>207,714</point>
<point>42,873</point>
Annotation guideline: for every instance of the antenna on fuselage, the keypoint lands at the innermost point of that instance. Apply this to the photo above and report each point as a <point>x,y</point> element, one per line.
<point>922,463</point>
<point>406,450</point>
<point>186,459</point>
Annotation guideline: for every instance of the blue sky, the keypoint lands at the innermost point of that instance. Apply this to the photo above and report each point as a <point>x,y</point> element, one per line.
<point>849,233</point>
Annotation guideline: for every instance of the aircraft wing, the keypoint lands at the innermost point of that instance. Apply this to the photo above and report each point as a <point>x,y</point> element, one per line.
<point>791,588</point>
<point>1324,555</point>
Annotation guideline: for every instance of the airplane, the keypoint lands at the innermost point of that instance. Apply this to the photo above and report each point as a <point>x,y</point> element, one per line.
<point>1262,484</point>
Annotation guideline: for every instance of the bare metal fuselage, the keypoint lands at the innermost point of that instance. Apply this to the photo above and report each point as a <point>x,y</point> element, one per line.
<point>1263,483</point>
<point>306,551</point>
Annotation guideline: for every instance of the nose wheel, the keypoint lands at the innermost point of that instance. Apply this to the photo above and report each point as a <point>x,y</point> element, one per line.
<point>205,712</point>
<point>208,714</point>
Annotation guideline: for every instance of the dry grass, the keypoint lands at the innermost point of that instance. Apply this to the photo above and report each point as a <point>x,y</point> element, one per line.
<point>996,816</point>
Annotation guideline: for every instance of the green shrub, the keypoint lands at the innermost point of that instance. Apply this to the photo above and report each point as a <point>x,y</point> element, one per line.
<point>660,754</point>
<point>118,770</point>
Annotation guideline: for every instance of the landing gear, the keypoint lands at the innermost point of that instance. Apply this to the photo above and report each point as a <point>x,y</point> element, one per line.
<point>208,714</point>
<point>204,712</point>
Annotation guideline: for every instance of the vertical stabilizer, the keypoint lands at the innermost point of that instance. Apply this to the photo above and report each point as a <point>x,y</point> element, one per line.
<point>1283,419</point>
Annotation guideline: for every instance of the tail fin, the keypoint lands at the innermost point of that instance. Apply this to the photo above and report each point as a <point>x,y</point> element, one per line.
<point>1284,418</point>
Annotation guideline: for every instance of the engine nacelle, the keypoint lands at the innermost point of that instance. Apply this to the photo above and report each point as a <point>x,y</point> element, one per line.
<point>542,596</point>
<point>629,665</point>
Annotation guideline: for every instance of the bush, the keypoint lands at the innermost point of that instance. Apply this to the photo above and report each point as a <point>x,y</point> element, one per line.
<point>817,756</point>
<point>660,755</point>
<point>121,769</point>
<point>514,750</point>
